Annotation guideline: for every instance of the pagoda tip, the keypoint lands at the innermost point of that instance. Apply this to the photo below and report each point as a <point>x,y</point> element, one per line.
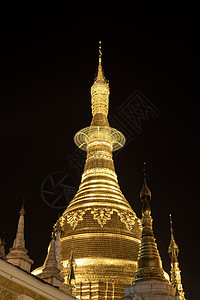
<point>145,190</point>
<point>100,52</point>
<point>22,211</point>
<point>170,220</point>
<point>144,169</point>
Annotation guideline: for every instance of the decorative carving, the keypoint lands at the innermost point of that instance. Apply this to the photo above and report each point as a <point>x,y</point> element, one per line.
<point>9,287</point>
<point>74,217</point>
<point>147,221</point>
<point>102,215</point>
<point>150,272</point>
<point>127,218</point>
<point>139,223</point>
<point>147,231</point>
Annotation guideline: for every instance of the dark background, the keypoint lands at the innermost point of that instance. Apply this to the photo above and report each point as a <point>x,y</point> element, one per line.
<point>48,63</point>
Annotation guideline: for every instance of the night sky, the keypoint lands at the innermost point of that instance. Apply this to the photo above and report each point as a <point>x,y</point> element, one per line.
<point>49,58</point>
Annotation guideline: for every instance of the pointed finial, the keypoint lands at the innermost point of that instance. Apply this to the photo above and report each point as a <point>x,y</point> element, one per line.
<point>173,248</point>
<point>145,190</point>
<point>144,170</point>
<point>173,251</point>
<point>22,211</point>
<point>100,75</point>
<point>170,223</point>
<point>144,173</point>
<point>100,52</point>
<point>170,220</point>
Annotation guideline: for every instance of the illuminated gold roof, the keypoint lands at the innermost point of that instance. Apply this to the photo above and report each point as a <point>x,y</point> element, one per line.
<point>99,224</point>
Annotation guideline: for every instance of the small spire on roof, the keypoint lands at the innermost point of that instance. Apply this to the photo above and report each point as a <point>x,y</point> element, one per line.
<point>51,272</point>
<point>145,190</point>
<point>18,253</point>
<point>175,271</point>
<point>149,262</point>
<point>100,52</point>
<point>173,248</point>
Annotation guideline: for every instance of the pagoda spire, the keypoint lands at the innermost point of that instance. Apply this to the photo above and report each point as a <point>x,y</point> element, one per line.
<point>51,272</point>
<point>149,262</point>
<point>100,95</point>
<point>19,241</point>
<point>145,190</point>
<point>173,251</point>
<point>100,78</point>
<point>18,253</point>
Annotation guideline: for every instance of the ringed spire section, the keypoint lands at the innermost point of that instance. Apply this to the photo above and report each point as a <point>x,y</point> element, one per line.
<point>100,90</point>
<point>99,135</point>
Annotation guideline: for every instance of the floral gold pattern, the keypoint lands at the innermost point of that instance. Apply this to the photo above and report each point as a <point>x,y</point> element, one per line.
<point>74,217</point>
<point>102,215</point>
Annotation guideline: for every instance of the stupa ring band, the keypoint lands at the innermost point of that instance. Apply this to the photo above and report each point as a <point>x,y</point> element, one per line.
<point>102,134</point>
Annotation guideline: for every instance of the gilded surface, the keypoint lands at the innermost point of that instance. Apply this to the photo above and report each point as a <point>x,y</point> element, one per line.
<point>99,226</point>
<point>74,217</point>
<point>150,272</point>
<point>102,215</point>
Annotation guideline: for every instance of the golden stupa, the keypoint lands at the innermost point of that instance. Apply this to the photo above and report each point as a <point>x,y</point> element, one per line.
<point>99,227</point>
